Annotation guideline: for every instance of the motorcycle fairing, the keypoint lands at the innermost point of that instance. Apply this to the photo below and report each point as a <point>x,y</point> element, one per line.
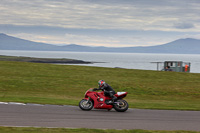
<point>121,94</point>
<point>99,100</point>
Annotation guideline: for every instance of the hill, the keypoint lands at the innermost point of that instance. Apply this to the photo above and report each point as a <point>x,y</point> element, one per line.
<point>181,46</point>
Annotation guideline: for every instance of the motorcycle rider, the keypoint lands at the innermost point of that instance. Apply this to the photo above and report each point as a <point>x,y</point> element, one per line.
<point>108,90</point>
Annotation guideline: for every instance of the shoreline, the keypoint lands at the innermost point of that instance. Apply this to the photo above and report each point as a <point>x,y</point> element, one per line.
<point>43,60</point>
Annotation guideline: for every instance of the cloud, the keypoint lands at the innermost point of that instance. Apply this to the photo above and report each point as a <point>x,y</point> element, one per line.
<point>100,22</point>
<point>112,14</point>
<point>184,25</point>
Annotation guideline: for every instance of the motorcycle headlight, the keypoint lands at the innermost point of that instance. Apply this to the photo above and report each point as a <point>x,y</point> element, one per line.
<point>101,99</point>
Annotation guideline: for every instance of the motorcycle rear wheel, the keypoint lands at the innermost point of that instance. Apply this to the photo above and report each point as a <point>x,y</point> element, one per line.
<point>121,105</point>
<point>86,105</point>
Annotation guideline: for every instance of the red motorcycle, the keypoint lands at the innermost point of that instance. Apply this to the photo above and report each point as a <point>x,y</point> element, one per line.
<point>99,101</point>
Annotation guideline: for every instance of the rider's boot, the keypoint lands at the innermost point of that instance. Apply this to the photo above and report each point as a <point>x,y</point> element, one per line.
<point>114,98</point>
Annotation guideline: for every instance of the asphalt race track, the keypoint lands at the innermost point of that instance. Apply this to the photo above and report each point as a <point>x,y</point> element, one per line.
<point>12,114</point>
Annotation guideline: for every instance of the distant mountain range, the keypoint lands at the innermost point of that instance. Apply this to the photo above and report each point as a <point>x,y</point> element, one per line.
<point>181,46</point>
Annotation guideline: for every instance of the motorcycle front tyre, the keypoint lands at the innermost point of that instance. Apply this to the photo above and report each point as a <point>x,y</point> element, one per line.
<point>86,105</point>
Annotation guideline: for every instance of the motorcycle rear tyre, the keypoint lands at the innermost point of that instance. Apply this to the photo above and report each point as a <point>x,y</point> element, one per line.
<point>81,105</point>
<point>121,108</point>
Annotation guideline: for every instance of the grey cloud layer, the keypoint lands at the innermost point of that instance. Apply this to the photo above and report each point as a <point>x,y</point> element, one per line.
<point>104,14</point>
<point>101,22</point>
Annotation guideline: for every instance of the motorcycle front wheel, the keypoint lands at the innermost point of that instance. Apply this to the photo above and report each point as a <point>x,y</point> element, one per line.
<point>86,105</point>
<point>120,105</point>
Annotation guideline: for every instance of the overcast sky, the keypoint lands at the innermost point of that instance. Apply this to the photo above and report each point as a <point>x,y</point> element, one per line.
<point>110,23</point>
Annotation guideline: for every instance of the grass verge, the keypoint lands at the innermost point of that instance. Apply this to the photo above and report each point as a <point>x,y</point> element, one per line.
<point>80,130</point>
<point>66,84</point>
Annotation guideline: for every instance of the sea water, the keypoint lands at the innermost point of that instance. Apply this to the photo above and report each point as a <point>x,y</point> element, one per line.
<point>120,60</point>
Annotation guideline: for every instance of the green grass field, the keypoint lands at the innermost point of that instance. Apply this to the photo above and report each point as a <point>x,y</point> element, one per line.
<point>81,130</point>
<point>66,84</point>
